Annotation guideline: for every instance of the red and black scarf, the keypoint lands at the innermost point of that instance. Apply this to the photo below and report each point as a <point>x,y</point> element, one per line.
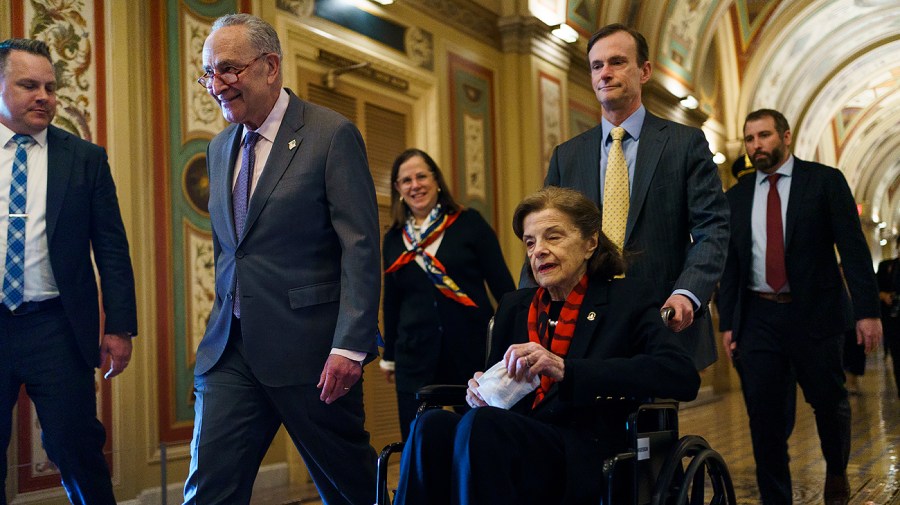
<point>435,270</point>
<point>539,327</point>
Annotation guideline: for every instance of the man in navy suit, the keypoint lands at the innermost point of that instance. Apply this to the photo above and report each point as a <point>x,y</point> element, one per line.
<point>784,306</point>
<point>298,278</point>
<point>57,191</point>
<point>677,227</point>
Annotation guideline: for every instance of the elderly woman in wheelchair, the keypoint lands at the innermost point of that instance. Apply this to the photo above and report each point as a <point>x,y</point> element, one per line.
<point>584,334</point>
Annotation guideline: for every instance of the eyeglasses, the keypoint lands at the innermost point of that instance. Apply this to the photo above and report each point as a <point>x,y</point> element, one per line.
<point>229,77</point>
<point>420,177</point>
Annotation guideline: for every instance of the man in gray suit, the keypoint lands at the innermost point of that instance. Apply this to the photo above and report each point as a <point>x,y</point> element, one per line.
<point>295,234</point>
<point>676,234</point>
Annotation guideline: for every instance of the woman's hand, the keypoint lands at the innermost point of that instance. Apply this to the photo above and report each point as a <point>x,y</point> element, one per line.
<point>524,361</point>
<point>472,397</point>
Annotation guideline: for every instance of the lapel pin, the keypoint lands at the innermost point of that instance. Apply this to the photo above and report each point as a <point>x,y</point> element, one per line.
<point>291,145</point>
<point>592,316</point>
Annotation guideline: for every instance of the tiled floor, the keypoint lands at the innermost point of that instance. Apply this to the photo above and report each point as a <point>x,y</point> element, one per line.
<point>874,462</point>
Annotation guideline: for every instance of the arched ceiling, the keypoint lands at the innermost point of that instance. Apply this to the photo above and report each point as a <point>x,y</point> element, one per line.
<point>833,68</point>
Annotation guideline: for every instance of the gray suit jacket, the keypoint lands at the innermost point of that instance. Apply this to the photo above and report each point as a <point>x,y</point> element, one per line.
<point>676,236</point>
<point>309,261</point>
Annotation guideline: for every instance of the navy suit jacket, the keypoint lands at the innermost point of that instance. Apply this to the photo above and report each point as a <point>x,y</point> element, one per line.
<point>83,216</point>
<point>620,348</point>
<point>308,261</point>
<point>821,214</point>
<point>676,235</point>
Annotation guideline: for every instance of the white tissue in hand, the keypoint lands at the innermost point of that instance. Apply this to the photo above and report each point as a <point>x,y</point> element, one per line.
<point>500,390</point>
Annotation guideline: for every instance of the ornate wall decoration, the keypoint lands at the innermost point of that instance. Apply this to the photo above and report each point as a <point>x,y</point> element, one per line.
<point>473,134</point>
<point>550,108</point>
<point>200,285</point>
<point>201,115</point>
<point>582,15</point>
<point>77,46</point>
<point>74,31</point>
<point>678,45</point>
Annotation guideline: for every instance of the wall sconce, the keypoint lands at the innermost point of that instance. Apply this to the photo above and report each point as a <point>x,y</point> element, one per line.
<point>329,80</point>
<point>689,102</point>
<point>565,33</point>
<point>719,158</point>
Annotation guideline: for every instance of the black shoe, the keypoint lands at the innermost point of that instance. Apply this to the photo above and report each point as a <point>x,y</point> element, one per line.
<point>837,490</point>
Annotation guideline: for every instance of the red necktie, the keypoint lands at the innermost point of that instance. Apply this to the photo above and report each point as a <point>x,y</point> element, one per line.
<point>776,274</point>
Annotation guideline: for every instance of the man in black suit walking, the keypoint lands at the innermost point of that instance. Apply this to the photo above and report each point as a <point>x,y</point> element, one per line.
<point>58,205</point>
<point>784,306</point>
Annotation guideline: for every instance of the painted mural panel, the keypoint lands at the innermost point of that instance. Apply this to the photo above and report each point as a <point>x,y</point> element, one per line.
<point>473,135</point>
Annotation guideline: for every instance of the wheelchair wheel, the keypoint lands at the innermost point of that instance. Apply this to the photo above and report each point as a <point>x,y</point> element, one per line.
<point>705,470</point>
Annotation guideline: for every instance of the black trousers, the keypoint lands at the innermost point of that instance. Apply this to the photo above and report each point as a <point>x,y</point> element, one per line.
<point>39,350</point>
<point>236,418</point>
<point>774,348</point>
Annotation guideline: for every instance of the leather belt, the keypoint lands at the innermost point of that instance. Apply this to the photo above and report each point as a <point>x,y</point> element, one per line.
<point>31,307</point>
<point>774,297</point>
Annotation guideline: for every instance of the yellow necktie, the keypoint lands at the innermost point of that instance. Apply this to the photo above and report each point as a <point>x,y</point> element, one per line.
<point>615,191</point>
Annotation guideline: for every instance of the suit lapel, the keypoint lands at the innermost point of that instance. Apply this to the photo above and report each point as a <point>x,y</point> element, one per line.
<point>742,213</point>
<point>228,152</point>
<point>653,141</point>
<point>589,154</point>
<point>589,316</point>
<point>287,143</point>
<point>59,171</point>
<point>799,184</point>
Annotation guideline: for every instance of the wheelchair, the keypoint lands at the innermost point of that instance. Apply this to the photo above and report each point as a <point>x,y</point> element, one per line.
<point>659,468</point>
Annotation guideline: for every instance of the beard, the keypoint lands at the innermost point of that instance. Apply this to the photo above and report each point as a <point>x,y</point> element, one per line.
<point>767,160</point>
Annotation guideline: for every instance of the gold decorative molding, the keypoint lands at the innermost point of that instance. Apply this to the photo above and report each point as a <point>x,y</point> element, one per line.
<point>464,15</point>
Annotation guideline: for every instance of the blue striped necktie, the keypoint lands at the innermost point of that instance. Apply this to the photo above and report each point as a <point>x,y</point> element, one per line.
<point>14,276</point>
<point>240,200</point>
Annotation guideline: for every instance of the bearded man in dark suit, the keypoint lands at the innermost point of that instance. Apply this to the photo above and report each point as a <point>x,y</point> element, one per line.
<point>784,306</point>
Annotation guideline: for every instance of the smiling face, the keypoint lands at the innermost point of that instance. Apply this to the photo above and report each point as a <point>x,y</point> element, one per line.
<point>417,186</point>
<point>249,100</point>
<point>616,75</point>
<point>768,149</point>
<point>27,93</point>
<point>557,252</point>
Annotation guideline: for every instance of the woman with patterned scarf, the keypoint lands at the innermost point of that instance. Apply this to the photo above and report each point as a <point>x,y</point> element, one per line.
<point>586,332</point>
<point>437,259</point>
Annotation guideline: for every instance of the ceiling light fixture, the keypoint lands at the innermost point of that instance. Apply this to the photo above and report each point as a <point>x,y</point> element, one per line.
<point>565,33</point>
<point>719,158</point>
<point>689,102</point>
<point>384,2</point>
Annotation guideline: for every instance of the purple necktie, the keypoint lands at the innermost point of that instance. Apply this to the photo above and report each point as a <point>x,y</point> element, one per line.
<point>240,199</point>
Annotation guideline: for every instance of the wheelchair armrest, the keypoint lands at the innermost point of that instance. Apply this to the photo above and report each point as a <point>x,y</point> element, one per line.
<point>442,395</point>
<point>620,478</point>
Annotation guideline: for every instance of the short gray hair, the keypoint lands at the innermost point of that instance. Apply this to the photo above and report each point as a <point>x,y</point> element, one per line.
<point>262,35</point>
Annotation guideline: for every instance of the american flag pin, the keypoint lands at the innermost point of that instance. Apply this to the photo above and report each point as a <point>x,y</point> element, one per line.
<point>291,145</point>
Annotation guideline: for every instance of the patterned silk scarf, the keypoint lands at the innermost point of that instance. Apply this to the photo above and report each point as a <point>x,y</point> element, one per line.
<point>440,221</point>
<point>539,327</point>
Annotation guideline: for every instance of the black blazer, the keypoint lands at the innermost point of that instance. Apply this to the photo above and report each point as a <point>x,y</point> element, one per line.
<point>83,215</point>
<point>620,348</point>
<point>431,338</point>
<point>677,231</point>
<point>821,213</point>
